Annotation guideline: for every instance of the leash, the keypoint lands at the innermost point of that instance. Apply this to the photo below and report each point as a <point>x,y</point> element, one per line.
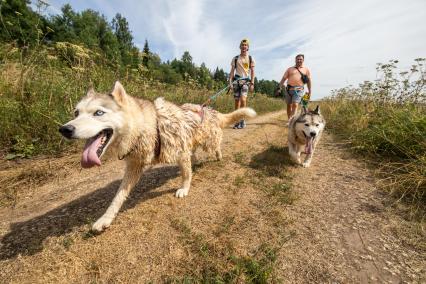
<point>207,102</point>
<point>211,98</point>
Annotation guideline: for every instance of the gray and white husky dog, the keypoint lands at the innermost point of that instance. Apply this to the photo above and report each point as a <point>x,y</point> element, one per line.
<point>304,132</point>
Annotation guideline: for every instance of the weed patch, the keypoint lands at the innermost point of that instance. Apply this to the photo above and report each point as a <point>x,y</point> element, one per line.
<point>386,121</point>
<point>217,263</point>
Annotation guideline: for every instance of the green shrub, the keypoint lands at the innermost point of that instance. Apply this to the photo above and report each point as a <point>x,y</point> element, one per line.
<point>387,120</point>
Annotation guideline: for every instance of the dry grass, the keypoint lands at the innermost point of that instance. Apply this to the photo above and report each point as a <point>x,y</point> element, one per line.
<point>22,179</point>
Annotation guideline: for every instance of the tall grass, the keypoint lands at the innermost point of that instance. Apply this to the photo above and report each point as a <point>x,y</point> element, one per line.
<point>386,120</point>
<point>40,87</point>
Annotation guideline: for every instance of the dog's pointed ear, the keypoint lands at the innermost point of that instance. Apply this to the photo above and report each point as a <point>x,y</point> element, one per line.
<point>119,94</point>
<point>317,110</point>
<point>91,92</point>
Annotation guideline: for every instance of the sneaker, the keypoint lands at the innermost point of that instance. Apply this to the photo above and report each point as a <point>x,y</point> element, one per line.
<point>243,123</point>
<point>236,125</point>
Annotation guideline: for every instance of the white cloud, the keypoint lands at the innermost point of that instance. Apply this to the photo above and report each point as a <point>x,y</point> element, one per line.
<point>344,40</point>
<point>341,39</point>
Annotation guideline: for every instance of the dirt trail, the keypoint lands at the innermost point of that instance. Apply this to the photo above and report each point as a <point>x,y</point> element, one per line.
<point>253,217</point>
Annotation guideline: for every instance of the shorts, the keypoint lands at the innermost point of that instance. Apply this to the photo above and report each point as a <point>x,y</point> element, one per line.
<point>241,91</point>
<point>294,95</point>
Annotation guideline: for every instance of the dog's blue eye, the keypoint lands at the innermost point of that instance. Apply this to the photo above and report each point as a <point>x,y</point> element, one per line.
<point>99,113</point>
<point>76,113</point>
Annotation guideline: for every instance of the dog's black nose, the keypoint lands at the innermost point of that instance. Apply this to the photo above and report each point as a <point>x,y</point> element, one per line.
<point>67,131</point>
<point>313,134</point>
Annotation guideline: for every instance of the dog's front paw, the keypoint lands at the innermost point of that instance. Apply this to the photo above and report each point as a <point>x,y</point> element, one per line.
<point>306,164</point>
<point>182,192</point>
<point>101,224</point>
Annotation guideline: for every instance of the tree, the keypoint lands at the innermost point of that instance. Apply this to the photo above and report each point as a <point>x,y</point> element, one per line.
<point>108,42</point>
<point>188,68</point>
<point>19,23</point>
<point>124,37</point>
<point>204,77</point>
<point>64,25</point>
<point>146,54</point>
<point>220,76</point>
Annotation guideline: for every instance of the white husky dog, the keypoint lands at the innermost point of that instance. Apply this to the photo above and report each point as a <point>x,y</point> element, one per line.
<point>304,132</point>
<point>145,133</point>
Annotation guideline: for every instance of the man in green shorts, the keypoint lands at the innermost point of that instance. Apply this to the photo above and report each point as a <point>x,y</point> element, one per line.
<point>241,78</point>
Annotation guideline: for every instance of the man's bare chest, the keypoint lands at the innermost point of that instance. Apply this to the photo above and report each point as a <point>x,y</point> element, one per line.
<point>293,71</point>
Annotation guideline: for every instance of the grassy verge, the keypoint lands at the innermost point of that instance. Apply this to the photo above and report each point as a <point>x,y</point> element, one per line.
<point>386,121</point>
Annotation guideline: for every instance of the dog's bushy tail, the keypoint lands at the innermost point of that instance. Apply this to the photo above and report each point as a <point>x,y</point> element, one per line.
<point>235,116</point>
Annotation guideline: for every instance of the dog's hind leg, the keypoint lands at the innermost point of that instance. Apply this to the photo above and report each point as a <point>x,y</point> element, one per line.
<point>131,177</point>
<point>186,172</point>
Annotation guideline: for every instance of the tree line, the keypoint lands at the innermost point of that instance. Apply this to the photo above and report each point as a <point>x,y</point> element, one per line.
<point>113,40</point>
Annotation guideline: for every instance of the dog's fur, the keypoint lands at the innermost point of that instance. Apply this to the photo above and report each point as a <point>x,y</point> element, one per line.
<point>145,133</point>
<point>304,132</point>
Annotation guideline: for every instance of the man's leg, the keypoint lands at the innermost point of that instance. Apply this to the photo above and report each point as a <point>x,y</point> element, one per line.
<point>243,102</point>
<point>237,106</point>
<point>293,108</point>
<point>289,110</point>
<point>237,103</point>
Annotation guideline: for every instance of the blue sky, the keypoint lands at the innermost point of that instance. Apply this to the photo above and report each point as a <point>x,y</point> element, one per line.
<point>342,39</point>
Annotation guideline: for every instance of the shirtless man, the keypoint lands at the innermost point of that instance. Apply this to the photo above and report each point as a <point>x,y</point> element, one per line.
<point>295,84</point>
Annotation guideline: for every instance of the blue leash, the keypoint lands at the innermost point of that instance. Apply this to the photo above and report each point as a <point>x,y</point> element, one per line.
<point>201,113</point>
<point>222,91</point>
<point>214,97</point>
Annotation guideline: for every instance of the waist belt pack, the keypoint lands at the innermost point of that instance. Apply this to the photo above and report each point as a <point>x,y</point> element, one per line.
<point>290,87</point>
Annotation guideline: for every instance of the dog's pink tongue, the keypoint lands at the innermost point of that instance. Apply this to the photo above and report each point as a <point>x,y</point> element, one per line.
<point>89,157</point>
<point>308,145</point>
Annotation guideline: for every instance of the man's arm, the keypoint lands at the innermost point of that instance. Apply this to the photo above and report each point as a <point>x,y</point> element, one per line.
<point>308,73</point>
<point>283,79</point>
<point>252,79</point>
<point>231,76</point>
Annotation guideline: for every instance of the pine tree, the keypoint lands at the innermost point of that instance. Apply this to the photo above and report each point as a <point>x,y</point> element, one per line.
<point>146,54</point>
<point>124,37</point>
